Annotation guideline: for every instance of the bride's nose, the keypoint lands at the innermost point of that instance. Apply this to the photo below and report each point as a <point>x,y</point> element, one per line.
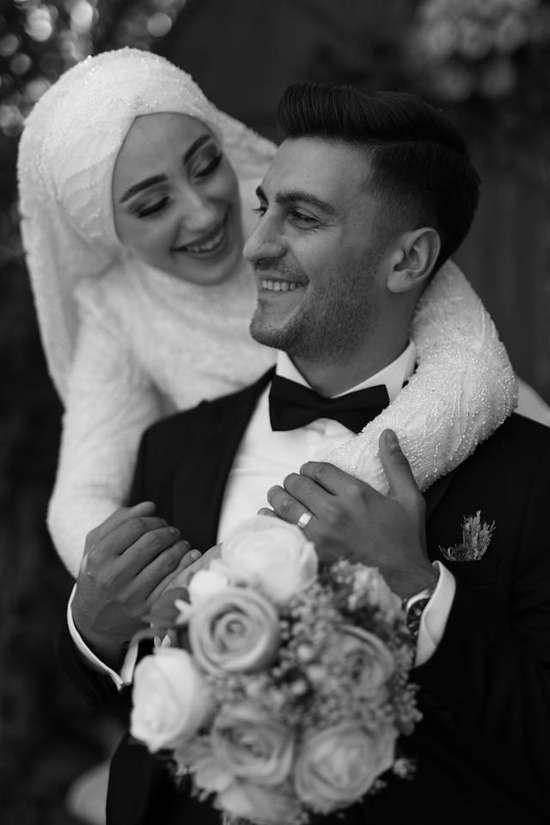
<point>197,211</point>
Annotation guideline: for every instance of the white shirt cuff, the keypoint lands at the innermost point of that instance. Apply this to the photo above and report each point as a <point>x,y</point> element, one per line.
<point>435,615</point>
<point>120,679</point>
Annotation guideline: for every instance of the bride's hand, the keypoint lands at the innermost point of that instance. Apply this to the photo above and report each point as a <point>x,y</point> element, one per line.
<point>163,614</point>
<point>188,570</point>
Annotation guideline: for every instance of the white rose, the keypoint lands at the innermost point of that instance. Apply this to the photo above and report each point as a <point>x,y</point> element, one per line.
<point>363,660</point>
<point>252,745</point>
<point>205,584</point>
<point>338,765</point>
<point>170,699</point>
<point>271,554</point>
<point>264,806</point>
<point>235,631</point>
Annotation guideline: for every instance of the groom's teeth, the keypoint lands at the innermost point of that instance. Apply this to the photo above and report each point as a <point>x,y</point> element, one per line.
<point>279,286</point>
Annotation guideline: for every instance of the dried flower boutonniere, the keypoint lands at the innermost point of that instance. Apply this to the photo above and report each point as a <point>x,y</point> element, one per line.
<point>476,537</point>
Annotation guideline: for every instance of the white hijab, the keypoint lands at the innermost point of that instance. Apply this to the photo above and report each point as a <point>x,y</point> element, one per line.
<point>66,159</point>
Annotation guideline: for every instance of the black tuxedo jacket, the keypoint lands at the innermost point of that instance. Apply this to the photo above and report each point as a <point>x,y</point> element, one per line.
<point>482,750</point>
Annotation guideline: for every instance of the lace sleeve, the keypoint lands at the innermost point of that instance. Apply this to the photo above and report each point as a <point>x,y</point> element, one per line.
<point>110,401</point>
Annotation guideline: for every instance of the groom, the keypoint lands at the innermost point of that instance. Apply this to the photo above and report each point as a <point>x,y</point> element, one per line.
<point>365,199</point>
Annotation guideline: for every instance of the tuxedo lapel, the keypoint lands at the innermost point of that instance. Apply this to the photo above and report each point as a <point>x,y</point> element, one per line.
<point>212,439</point>
<point>433,498</point>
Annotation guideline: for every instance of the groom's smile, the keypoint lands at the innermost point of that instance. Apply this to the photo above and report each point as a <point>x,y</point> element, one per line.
<point>278,286</point>
<point>280,295</point>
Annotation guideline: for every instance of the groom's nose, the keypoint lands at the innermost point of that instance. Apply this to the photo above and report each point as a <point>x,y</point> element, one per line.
<point>264,243</point>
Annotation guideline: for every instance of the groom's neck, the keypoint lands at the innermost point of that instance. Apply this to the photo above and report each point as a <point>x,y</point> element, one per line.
<point>332,376</point>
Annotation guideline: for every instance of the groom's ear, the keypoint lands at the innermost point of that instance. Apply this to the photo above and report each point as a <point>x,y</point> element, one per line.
<point>414,259</point>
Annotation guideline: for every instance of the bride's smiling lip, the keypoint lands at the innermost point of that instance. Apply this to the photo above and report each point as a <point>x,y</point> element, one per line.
<point>208,244</point>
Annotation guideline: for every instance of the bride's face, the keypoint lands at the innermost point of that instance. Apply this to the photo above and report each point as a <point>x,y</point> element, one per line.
<point>176,199</point>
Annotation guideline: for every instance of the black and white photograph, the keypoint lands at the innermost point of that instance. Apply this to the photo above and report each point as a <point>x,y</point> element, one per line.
<point>275,443</point>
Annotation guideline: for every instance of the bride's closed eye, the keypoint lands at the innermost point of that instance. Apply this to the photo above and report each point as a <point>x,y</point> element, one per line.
<point>150,207</point>
<point>206,166</point>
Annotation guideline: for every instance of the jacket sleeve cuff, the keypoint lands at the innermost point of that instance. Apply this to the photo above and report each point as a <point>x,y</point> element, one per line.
<point>121,679</point>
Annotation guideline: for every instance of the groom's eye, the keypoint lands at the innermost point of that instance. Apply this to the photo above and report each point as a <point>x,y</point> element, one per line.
<point>260,210</point>
<point>302,218</point>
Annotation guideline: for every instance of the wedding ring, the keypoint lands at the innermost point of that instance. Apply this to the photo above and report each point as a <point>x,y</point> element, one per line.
<point>304,519</point>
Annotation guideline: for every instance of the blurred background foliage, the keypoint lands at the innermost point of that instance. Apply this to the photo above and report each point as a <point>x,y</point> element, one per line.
<point>485,61</point>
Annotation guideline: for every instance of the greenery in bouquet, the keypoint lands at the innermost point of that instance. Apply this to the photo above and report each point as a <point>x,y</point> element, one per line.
<point>488,59</point>
<point>284,688</point>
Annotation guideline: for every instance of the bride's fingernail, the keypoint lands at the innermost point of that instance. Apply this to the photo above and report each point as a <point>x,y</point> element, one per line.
<point>195,554</point>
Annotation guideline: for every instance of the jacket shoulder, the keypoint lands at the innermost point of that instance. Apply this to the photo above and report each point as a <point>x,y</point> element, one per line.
<point>518,437</point>
<point>510,460</point>
<point>170,430</point>
<point>185,436</point>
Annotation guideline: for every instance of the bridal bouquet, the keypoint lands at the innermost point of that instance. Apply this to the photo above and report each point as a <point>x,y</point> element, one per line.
<point>284,687</point>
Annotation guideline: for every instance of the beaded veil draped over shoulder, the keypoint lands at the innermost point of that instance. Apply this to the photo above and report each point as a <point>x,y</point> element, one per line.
<point>125,343</point>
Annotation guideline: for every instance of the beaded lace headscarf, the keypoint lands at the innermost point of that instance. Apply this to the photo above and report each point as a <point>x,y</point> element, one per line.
<point>66,159</point>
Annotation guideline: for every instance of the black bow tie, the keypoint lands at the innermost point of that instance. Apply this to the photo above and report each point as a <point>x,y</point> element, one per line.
<point>292,405</point>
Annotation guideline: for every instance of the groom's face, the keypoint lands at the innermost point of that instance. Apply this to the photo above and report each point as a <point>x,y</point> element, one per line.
<point>317,251</point>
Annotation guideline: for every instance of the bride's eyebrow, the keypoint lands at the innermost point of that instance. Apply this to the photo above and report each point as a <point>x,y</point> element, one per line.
<point>198,144</point>
<point>144,184</point>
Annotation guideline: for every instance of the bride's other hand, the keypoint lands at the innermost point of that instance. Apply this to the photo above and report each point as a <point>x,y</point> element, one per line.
<point>164,612</point>
<point>188,570</point>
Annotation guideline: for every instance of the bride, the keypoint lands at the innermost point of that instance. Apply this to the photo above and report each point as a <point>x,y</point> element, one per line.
<point>136,194</point>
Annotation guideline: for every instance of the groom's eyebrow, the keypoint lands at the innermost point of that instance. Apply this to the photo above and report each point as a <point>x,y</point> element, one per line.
<point>144,184</point>
<point>293,196</point>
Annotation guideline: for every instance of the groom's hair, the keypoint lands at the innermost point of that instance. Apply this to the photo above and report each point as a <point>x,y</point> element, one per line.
<point>420,166</point>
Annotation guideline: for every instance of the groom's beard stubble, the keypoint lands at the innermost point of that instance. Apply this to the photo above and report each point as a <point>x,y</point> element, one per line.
<point>331,319</point>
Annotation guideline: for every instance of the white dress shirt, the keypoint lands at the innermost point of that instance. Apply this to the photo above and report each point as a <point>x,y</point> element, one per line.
<point>265,457</point>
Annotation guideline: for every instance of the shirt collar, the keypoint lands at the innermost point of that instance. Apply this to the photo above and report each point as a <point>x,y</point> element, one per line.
<point>393,376</point>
